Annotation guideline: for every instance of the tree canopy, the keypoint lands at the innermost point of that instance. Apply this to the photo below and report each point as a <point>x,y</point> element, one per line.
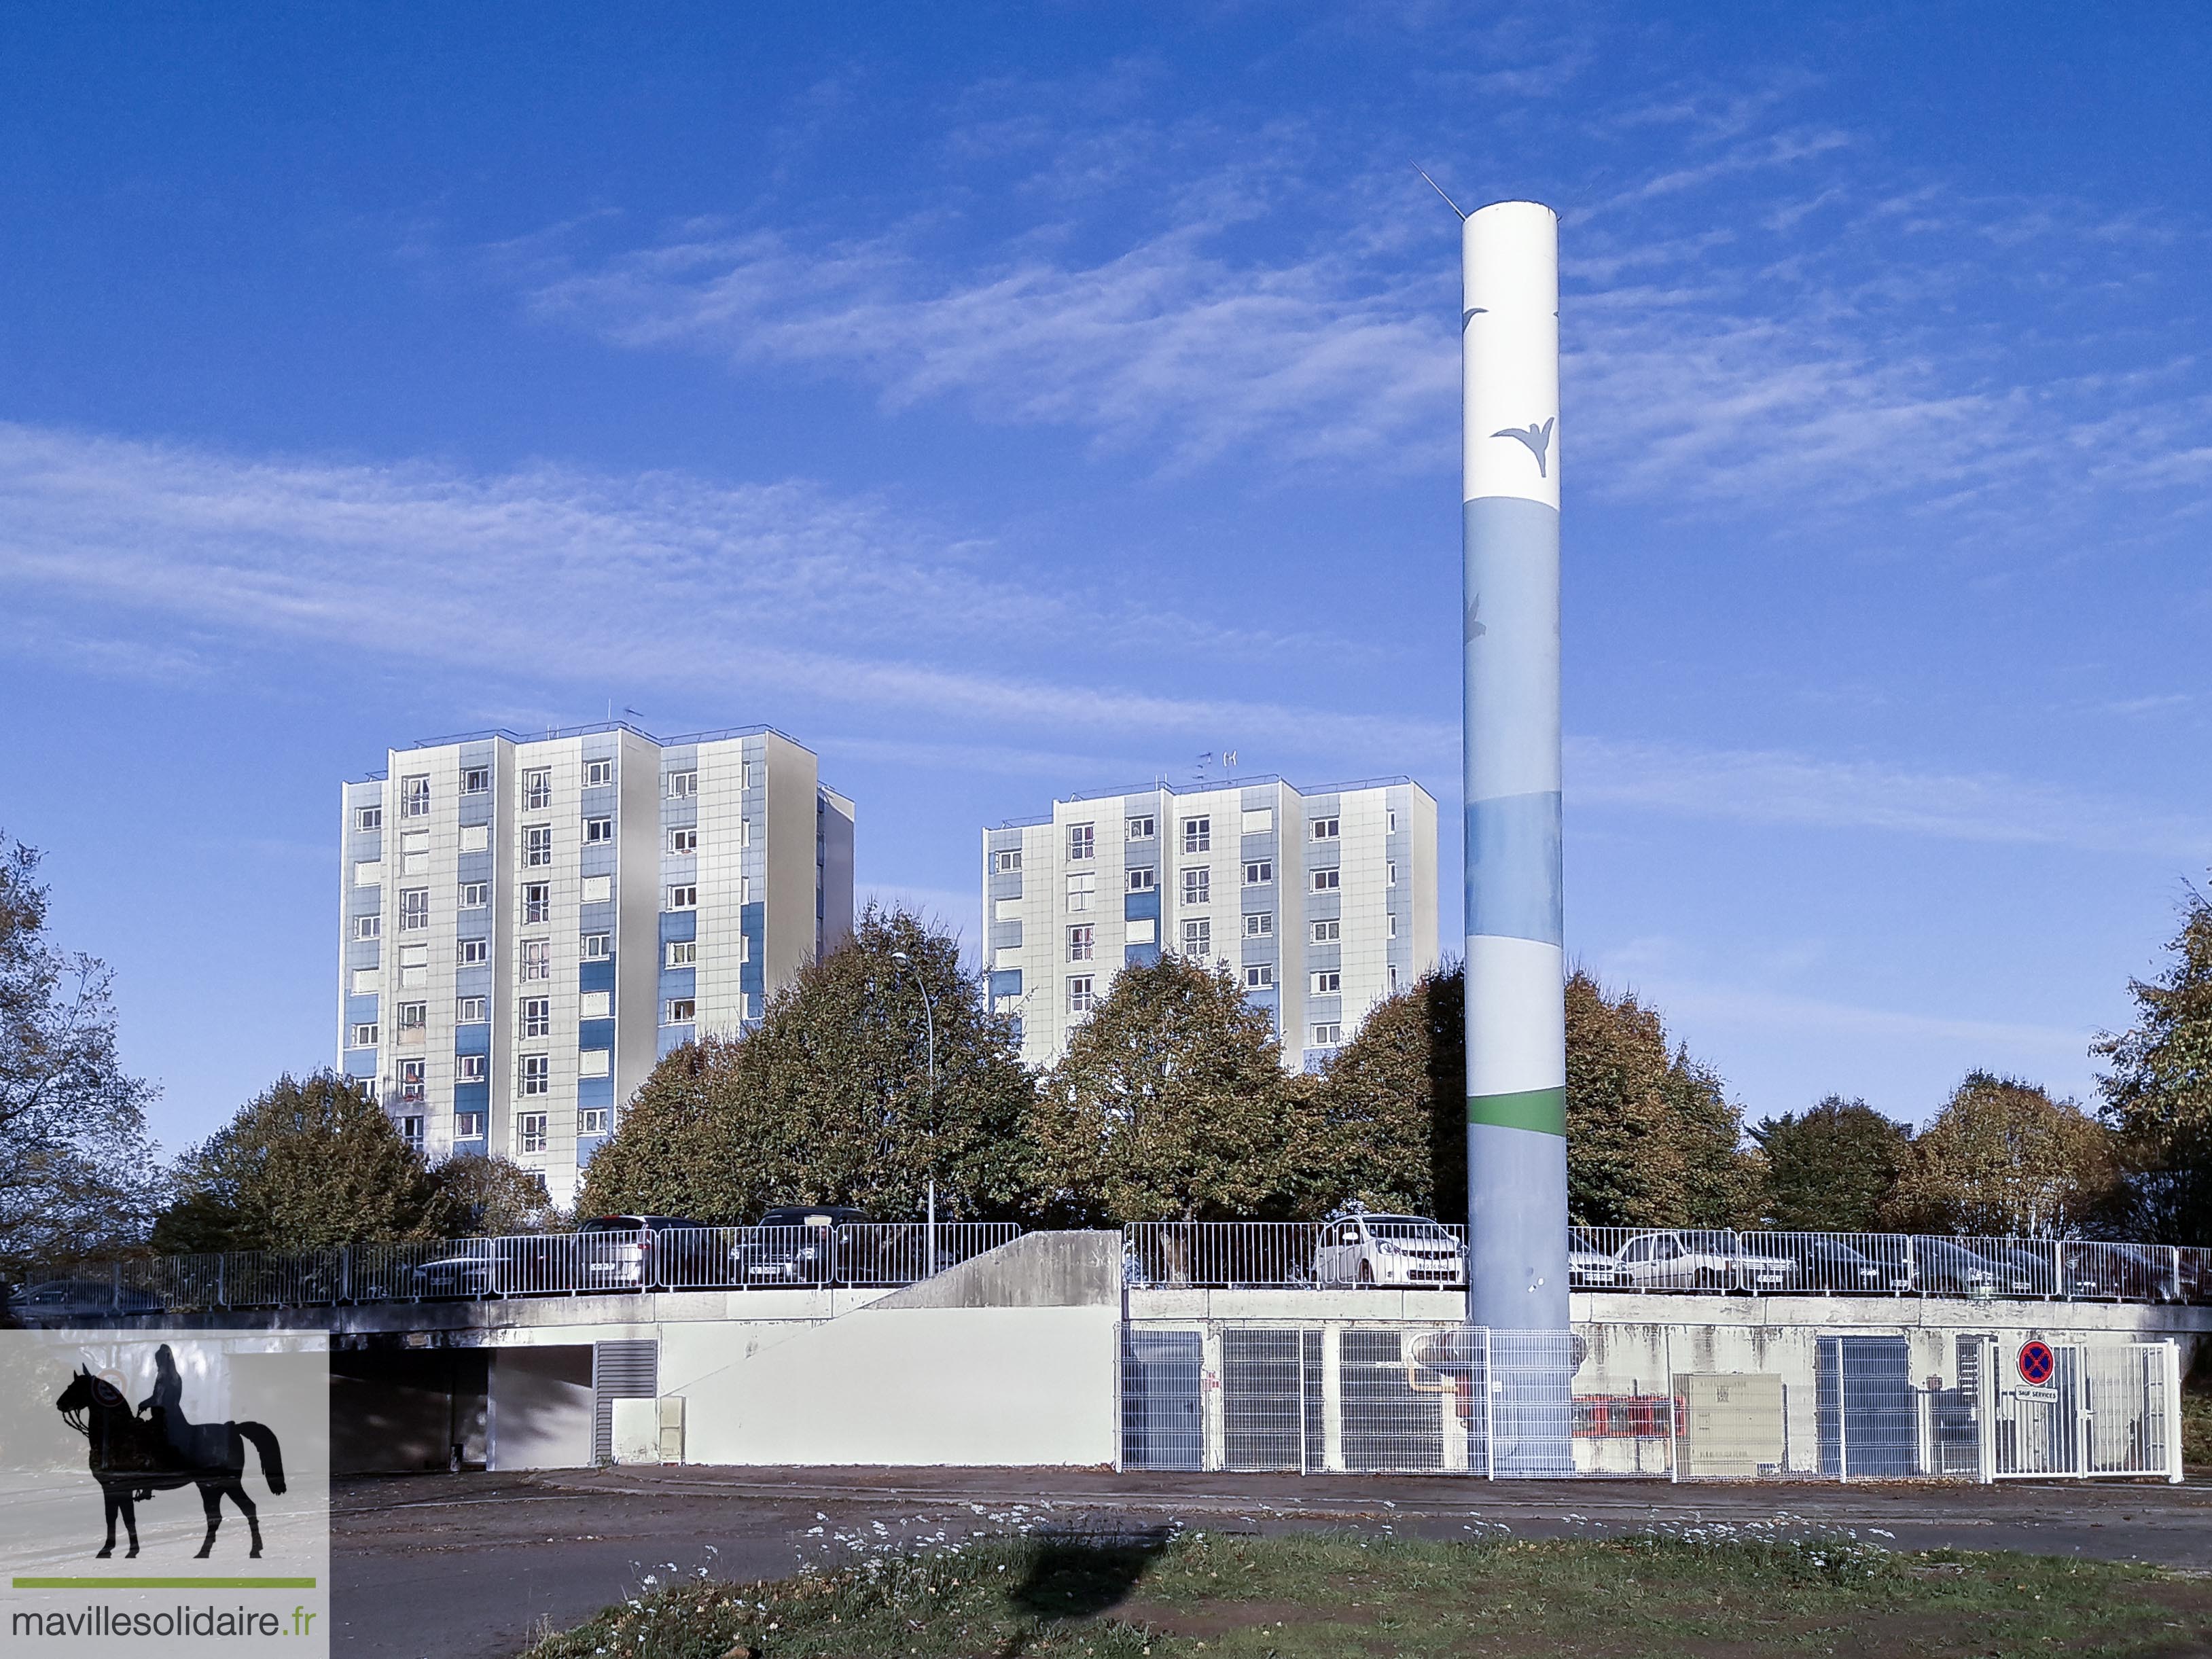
<point>1390,1112</point>
<point>310,1162</point>
<point>2002,1157</point>
<point>830,1100</point>
<point>1831,1169</point>
<point>77,1174</point>
<point>2158,1094</point>
<point>1170,1103</point>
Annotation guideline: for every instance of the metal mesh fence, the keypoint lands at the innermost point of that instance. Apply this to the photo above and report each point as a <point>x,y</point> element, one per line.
<point>1400,1398</point>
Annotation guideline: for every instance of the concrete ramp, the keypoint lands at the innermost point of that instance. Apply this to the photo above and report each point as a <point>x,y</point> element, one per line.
<point>1036,1270</point>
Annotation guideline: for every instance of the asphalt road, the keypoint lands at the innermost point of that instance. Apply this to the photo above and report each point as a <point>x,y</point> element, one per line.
<point>470,1566</point>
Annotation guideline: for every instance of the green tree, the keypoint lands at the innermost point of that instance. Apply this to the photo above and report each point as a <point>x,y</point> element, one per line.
<point>1387,1125</point>
<point>1833,1169</point>
<point>310,1162</point>
<point>830,1101</point>
<point>1170,1103</point>
<point>2158,1094</point>
<point>77,1174</point>
<point>1652,1139</point>
<point>481,1196</point>
<point>2002,1159</point>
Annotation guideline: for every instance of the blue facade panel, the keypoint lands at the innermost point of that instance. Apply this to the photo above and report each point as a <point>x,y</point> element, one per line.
<point>1141,907</point>
<point>472,1097</point>
<point>595,1091</point>
<point>360,1011</point>
<point>361,1062</point>
<point>753,923</point>
<point>1005,982</point>
<point>673,1037</point>
<point>678,925</point>
<point>595,1034</point>
<point>597,975</point>
<point>473,1039</point>
<point>1139,956</point>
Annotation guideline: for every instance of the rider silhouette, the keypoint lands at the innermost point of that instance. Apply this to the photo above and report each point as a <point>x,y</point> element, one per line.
<point>166,1405</point>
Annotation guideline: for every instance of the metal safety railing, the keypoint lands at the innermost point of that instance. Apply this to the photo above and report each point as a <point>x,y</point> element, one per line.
<point>858,1254</point>
<point>1386,1252</point>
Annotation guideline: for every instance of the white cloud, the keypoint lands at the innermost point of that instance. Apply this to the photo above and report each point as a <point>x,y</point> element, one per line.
<point>1776,788</point>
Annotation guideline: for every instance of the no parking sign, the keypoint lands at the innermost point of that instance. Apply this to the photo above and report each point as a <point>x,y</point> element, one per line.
<point>2036,1363</point>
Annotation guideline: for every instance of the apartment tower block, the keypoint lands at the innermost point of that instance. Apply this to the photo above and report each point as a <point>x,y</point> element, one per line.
<point>528,924</point>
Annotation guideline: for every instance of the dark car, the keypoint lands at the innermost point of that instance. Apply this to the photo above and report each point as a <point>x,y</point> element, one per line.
<point>519,1265</point>
<point>1830,1267</point>
<point>802,1244</point>
<point>2122,1272</point>
<point>2024,1269</point>
<point>633,1252</point>
<point>70,1301</point>
<point>1943,1267</point>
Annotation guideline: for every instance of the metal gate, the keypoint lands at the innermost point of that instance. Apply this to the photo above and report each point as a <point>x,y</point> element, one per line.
<point>2080,1410</point>
<point>620,1371</point>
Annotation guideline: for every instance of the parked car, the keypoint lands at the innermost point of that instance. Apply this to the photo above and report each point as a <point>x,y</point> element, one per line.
<point>1388,1249</point>
<point>623,1252</point>
<point>1702,1261</point>
<point>1944,1266</point>
<point>2122,1272</point>
<point>1830,1265</point>
<point>514,1266</point>
<point>797,1244</point>
<point>2023,1269</point>
<point>1590,1265</point>
<point>64,1301</point>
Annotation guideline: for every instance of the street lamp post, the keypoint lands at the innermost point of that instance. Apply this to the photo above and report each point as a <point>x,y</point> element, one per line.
<point>929,1027</point>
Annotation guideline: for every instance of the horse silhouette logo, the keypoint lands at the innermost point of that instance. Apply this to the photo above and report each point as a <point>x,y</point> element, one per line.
<point>133,1455</point>
<point>1537,438</point>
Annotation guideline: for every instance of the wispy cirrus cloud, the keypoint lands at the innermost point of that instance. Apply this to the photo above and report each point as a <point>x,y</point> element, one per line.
<point>1768,786</point>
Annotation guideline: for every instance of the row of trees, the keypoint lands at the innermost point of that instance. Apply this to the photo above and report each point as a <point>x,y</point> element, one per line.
<point>1172,1102</point>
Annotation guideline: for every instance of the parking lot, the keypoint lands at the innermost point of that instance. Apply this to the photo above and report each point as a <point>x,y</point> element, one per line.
<point>467,1566</point>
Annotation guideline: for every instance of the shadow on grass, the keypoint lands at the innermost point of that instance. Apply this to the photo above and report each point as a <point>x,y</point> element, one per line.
<point>1079,1573</point>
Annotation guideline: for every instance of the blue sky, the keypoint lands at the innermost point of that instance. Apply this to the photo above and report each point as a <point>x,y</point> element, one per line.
<point>1010,400</point>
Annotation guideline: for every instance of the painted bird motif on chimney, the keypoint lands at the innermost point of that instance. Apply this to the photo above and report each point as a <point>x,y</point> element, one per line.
<point>1537,438</point>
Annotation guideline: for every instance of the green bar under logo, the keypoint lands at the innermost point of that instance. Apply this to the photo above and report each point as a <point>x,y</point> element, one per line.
<point>164,1584</point>
<point>1544,1111</point>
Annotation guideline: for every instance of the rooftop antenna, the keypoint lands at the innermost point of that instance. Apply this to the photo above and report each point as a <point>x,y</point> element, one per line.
<point>1439,190</point>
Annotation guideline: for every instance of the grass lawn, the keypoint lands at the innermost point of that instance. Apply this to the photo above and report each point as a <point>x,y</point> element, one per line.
<point>1326,1596</point>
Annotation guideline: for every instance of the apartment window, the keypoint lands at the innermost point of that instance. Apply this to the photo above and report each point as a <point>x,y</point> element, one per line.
<point>468,1125</point>
<point>530,1127</point>
<point>364,1036</point>
<point>1080,998</point>
<point>1326,933</point>
<point>475,895</point>
<point>1260,924</point>
<point>537,1016</point>
<point>1082,893</point>
<point>414,908</point>
<point>592,1121</point>
<point>1198,938</point>
<point>747,777</point>
<point>366,1085</point>
<point>683,843</point>
<point>1198,886</point>
<point>475,780</point>
<point>683,952</point>
<point>471,1068</point>
<point>594,1062</point>
<point>1144,879</point>
<point>537,788</point>
<point>537,903</point>
<point>411,1126</point>
<point>1198,835</point>
<point>1081,942</point>
<point>476,952</point>
<point>683,898</point>
<point>537,959</point>
<point>1390,872</point>
<point>1260,976</point>
<point>413,1015</point>
<point>594,947</point>
<point>1393,920</point>
<point>537,845</point>
<point>1010,862</point>
<point>1259,872</point>
<point>1328,1034</point>
<point>537,1075</point>
<point>415,798</point>
<point>371,927</point>
<point>1081,842</point>
<point>683,786</point>
<point>1390,822</point>
<point>1393,979</point>
<point>599,831</point>
<point>369,817</point>
<point>1327,881</point>
<point>469,1011</point>
<point>1142,829</point>
<point>1328,982</point>
<point>1326,829</point>
<point>598,773</point>
<point>681,1011</point>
